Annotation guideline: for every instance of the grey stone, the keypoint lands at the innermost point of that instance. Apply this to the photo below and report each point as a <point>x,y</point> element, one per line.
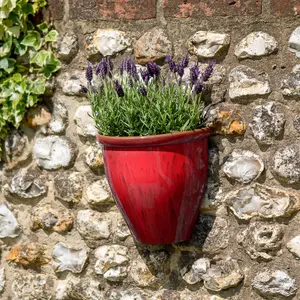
<point>294,42</point>
<point>68,259</point>
<point>256,44</point>
<point>274,284</point>
<point>28,184</point>
<point>261,241</point>
<point>16,148</point>
<point>128,294</point>
<point>153,45</point>
<point>122,232</point>
<point>71,84</point>
<point>94,158</point>
<point>54,152</point>
<point>246,82</point>
<point>2,280</point>
<point>208,44</point>
<point>110,41</point>
<point>69,186</point>
<point>112,262</point>
<point>294,246</point>
<point>243,166</point>
<point>98,194</point>
<point>262,201</point>
<point>198,269</point>
<point>296,123</point>
<point>290,85</point>
<point>213,196</point>
<point>93,225</point>
<point>285,164</point>
<point>9,226</point>
<point>223,275</point>
<point>84,122</point>
<point>31,287</point>
<point>59,120</point>
<point>67,46</point>
<point>267,124</point>
<point>49,218</point>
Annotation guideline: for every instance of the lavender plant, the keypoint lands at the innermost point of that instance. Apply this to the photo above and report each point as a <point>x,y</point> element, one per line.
<point>129,102</point>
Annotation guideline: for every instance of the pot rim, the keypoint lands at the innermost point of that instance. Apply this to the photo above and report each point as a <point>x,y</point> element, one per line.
<point>152,140</point>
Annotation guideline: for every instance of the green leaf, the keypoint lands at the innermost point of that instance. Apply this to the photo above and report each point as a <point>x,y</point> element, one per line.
<point>51,36</point>
<point>40,58</point>
<point>38,87</point>
<point>7,64</point>
<point>6,47</point>
<point>43,27</point>
<point>20,50</point>
<point>32,39</point>
<point>14,30</point>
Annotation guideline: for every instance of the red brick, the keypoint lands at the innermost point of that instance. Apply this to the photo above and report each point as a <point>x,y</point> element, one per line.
<point>56,8</point>
<point>198,8</point>
<point>113,9</point>
<point>285,7</point>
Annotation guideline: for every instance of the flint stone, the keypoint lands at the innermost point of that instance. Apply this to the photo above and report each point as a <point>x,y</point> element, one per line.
<point>198,269</point>
<point>110,41</point>
<point>93,225</point>
<point>274,284</point>
<point>296,123</point>
<point>28,184</point>
<point>294,42</point>
<point>67,46</point>
<point>285,164</point>
<point>68,259</point>
<point>267,124</point>
<point>261,201</point>
<point>59,121</point>
<point>48,218</point>
<point>246,82</point>
<point>2,280</point>
<point>294,246</point>
<point>53,152</point>
<point>112,262</point>
<point>9,226</point>
<point>243,166</point>
<point>84,122</point>
<point>98,194</point>
<point>153,45</point>
<point>208,44</point>
<point>69,186</point>
<point>94,158</point>
<point>223,275</point>
<point>256,44</point>
<point>71,84</point>
<point>261,241</point>
<point>31,287</point>
<point>128,294</point>
<point>290,85</point>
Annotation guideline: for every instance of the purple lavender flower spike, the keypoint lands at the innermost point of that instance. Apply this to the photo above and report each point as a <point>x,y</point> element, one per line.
<point>199,87</point>
<point>172,65</point>
<point>208,71</point>
<point>143,90</point>
<point>194,74</point>
<point>185,61</point>
<point>180,70</point>
<point>89,72</point>
<point>119,89</point>
<point>153,69</point>
<point>145,76</point>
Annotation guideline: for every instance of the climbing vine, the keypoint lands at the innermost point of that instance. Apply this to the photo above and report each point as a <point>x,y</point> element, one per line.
<point>26,60</point>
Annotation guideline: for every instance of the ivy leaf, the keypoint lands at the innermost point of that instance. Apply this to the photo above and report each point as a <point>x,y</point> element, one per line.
<point>7,64</point>
<point>14,30</point>
<point>31,100</point>
<point>43,27</point>
<point>32,39</point>
<point>6,47</point>
<point>38,87</point>
<point>40,58</point>
<point>51,36</point>
<point>52,65</point>
<point>19,49</point>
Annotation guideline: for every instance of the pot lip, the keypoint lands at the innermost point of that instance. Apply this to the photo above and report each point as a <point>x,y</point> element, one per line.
<point>151,140</point>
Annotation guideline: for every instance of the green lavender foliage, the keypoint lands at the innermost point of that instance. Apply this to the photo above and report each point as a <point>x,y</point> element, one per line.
<point>165,109</point>
<point>26,60</point>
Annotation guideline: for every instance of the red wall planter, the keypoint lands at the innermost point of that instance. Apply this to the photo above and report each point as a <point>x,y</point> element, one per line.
<point>158,182</point>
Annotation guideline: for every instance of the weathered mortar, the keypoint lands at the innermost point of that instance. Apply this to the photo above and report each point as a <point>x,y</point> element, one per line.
<point>55,205</point>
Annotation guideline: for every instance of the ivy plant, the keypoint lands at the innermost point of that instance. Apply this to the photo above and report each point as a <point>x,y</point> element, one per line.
<point>26,60</point>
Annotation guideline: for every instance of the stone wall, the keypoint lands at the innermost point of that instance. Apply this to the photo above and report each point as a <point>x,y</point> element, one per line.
<point>62,237</point>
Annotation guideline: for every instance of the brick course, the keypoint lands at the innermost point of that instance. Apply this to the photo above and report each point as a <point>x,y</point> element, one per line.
<point>196,8</point>
<point>283,8</point>
<point>112,9</point>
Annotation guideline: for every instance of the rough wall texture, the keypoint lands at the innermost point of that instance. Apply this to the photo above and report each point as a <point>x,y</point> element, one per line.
<point>62,237</point>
